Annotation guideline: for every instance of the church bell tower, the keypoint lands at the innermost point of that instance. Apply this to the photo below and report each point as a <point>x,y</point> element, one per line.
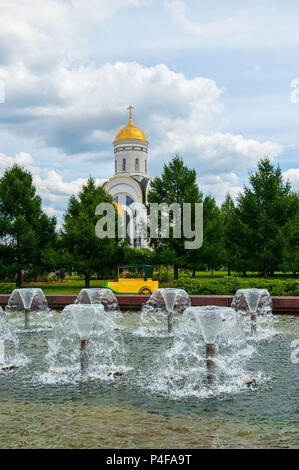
<point>130,151</point>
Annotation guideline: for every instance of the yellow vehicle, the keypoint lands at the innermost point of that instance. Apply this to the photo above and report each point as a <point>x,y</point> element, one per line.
<point>134,279</point>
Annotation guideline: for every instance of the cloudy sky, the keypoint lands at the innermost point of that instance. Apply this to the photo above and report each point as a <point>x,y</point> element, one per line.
<point>216,82</point>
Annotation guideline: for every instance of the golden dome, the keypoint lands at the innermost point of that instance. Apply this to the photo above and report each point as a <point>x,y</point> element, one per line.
<point>130,132</point>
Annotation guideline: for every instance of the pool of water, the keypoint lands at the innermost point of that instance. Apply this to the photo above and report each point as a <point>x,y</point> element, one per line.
<point>144,408</point>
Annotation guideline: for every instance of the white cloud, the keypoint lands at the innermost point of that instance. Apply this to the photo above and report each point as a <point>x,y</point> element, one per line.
<point>86,108</point>
<point>257,24</point>
<point>52,212</point>
<point>292,174</point>
<point>44,33</point>
<point>99,10</point>
<point>235,152</point>
<point>53,185</point>
<point>219,186</point>
<point>54,191</point>
<point>22,159</point>
<point>77,109</point>
<point>238,24</point>
<point>36,33</point>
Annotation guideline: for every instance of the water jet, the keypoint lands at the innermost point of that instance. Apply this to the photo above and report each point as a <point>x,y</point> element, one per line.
<point>99,295</point>
<point>210,321</point>
<point>27,300</point>
<point>84,340</point>
<point>255,302</point>
<point>170,299</point>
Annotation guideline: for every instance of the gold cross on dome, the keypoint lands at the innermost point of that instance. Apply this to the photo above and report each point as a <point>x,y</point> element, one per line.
<point>130,109</point>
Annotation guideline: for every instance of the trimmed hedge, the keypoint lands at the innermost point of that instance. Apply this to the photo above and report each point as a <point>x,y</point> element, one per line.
<point>4,289</point>
<point>229,286</point>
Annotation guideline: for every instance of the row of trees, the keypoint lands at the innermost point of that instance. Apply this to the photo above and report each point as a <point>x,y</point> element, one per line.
<point>30,242</point>
<point>259,232</point>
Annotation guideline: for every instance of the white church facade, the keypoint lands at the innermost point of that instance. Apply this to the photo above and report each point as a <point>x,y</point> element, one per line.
<point>130,183</point>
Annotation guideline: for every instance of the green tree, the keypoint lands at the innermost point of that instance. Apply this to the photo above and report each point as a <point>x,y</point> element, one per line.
<point>211,254</point>
<point>88,254</point>
<point>264,214</point>
<point>228,213</point>
<point>26,232</point>
<point>138,256</point>
<point>291,233</point>
<point>177,184</point>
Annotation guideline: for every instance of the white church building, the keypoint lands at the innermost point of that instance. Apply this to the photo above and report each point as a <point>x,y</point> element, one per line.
<point>131,182</point>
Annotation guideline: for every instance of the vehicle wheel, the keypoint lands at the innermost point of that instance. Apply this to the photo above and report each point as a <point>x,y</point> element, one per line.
<point>145,291</point>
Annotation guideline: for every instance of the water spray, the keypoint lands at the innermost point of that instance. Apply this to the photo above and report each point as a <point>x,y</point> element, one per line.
<point>253,301</point>
<point>252,297</point>
<point>4,366</point>
<point>84,318</point>
<point>83,333</point>
<point>210,322</point>
<point>169,296</point>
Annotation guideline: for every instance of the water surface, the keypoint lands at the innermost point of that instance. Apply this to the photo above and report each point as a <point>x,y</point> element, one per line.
<point>143,409</point>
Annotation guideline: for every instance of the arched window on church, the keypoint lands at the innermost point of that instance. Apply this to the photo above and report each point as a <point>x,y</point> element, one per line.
<point>124,164</point>
<point>115,166</point>
<point>136,164</point>
<point>145,165</point>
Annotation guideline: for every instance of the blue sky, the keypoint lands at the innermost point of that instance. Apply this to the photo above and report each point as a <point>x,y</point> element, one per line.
<point>211,82</point>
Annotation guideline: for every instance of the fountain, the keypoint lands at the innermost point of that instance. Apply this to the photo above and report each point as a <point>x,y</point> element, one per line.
<point>98,296</point>
<point>170,299</point>
<point>27,300</point>
<point>253,301</point>
<point>84,368</point>
<point>210,320</point>
<point>186,365</point>
<point>230,328</point>
<point>96,331</point>
<point>169,296</point>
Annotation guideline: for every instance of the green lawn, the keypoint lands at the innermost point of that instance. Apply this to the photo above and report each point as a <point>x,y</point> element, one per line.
<point>222,274</point>
<point>72,287</point>
<point>202,283</point>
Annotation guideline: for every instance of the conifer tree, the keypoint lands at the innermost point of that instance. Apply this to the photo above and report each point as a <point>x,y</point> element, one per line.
<point>264,217</point>
<point>88,254</point>
<point>177,184</point>
<point>26,232</point>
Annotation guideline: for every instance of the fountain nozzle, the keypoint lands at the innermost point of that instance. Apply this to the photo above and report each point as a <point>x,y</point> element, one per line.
<point>27,318</point>
<point>210,355</point>
<point>170,315</point>
<point>84,356</point>
<point>253,323</point>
